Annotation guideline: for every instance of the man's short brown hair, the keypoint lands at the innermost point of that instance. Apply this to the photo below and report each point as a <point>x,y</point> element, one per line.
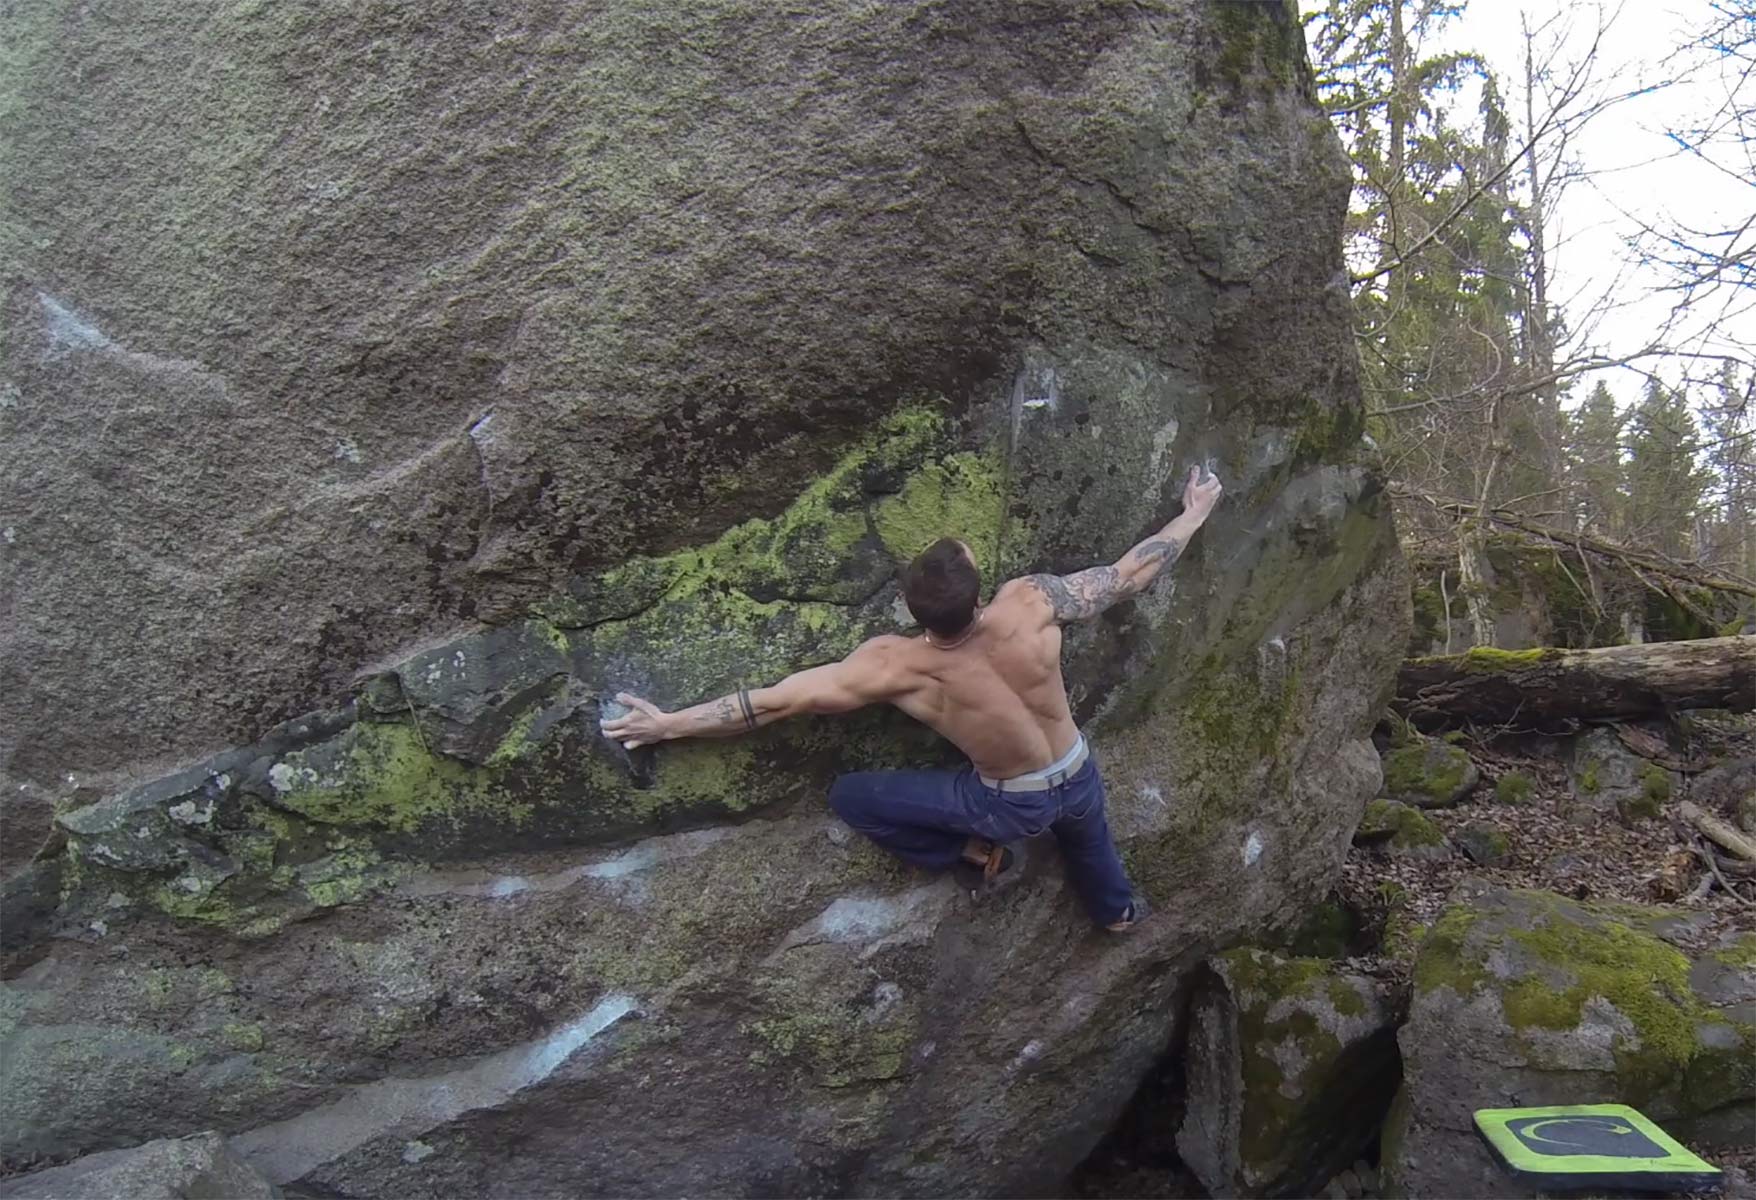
<point>941,587</point>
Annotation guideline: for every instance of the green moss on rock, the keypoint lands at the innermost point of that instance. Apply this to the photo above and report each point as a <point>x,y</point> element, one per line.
<point>1514,787</point>
<point>382,775</point>
<point>1562,956</point>
<point>1445,961</point>
<point>1298,1023</point>
<point>1429,773</point>
<point>1401,826</point>
<point>1484,844</point>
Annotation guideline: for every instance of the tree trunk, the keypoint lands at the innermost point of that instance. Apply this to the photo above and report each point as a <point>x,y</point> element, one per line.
<point>1534,688</point>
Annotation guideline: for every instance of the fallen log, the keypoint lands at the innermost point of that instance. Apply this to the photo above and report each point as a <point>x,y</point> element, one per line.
<point>1529,689</point>
<point>1718,831</point>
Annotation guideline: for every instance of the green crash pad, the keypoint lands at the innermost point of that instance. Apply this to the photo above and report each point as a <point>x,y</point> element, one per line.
<point>1591,1145</point>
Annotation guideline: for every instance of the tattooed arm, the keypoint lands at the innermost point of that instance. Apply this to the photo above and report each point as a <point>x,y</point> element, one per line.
<point>1087,593</point>
<point>866,676</point>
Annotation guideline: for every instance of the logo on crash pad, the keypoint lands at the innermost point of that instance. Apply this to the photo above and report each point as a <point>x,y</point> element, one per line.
<point>1606,1137</point>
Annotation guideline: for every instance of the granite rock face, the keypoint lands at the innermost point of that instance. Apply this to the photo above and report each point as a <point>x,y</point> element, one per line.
<point>384,392</point>
<point>200,1167</point>
<point>1291,1066</point>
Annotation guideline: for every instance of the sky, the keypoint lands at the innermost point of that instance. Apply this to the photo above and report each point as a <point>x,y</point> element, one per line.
<point>1637,173</point>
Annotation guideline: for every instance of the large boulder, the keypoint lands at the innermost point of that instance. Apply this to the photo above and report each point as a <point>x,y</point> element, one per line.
<point>1525,999</point>
<point>385,393</point>
<point>200,1167</point>
<point>1291,1066</point>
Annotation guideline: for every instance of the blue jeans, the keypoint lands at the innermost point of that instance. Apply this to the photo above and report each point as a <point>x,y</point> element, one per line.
<point>924,818</point>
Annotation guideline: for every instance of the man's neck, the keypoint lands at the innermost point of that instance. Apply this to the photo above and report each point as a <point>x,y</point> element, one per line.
<point>952,643</point>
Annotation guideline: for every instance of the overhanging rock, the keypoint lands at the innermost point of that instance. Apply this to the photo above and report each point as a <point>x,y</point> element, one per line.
<point>405,388</point>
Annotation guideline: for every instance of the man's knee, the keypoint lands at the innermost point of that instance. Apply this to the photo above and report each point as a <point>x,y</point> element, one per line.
<point>847,796</point>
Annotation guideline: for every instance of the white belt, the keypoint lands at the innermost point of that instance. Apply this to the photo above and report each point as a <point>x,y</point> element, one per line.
<point>1053,775</point>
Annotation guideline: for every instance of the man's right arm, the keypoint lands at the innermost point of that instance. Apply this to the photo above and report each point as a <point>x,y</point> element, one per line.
<point>1085,594</point>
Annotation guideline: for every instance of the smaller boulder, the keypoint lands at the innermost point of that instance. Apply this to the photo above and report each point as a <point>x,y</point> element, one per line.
<point>1514,787</point>
<point>1429,773</point>
<point>1402,831</point>
<point>1609,779</point>
<point>1484,844</point>
<point>187,1168</point>
<point>1291,1066</point>
<point>1528,998</point>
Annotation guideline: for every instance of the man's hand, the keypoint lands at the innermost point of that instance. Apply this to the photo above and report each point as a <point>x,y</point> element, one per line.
<point>1087,593</point>
<point>643,724</point>
<point>1201,493</point>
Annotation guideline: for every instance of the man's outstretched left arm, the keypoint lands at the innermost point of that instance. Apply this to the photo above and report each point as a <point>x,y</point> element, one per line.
<point>863,677</point>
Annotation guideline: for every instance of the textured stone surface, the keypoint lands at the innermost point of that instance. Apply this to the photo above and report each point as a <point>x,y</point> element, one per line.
<point>1430,773</point>
<point>383,392</point>
<point>1485,844</point>
<point>200,1167</point>
<point>1401,830</point>
<point>1608,779</point>
<point>1291,1066</point>
<point>342,327</point>
<point>1528,999</point>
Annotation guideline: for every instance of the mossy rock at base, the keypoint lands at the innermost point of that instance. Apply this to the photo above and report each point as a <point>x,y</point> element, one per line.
<point>1328,930</point>
<point>1514,787</point>
<point>1290,1064</point>
<point>1608,779</point>
<point>1529,994</point>
<point>1401,830</point>
<point>1483,844</point>
<point>1430,773</point>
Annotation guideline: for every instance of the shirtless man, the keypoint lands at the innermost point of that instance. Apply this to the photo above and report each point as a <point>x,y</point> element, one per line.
<point>989,681</point>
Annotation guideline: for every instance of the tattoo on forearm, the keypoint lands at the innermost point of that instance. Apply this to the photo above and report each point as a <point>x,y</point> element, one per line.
<point>720,714</point>
<point>1159,552</point>
<point>1082,594</point>
<point>1087,593</point>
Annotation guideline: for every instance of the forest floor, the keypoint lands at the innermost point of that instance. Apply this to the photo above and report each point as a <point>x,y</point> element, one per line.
<point>1548,846</point>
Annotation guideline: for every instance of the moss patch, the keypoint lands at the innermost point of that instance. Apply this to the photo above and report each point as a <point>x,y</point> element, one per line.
<point>1491,659</point>
<point>1562,956</point>
<point>1429,772</point>
<point>1289,1011</point>
<point>1401,826</point>
<point>1445,961</point>
<point>382,775</point>
<point>1514,787</point>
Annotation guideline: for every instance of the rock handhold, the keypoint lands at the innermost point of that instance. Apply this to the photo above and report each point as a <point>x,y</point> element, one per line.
<point>1291,1065</point>
<point>1526,998</point>
<point>186,1168</point>
<point>1430,773</point>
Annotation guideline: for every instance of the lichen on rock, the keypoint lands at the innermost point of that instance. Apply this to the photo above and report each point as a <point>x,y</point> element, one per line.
<point>567,353</point>
<point>1291,1063</point>
<point>1429,773</point>
<point>1555,1001</point>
